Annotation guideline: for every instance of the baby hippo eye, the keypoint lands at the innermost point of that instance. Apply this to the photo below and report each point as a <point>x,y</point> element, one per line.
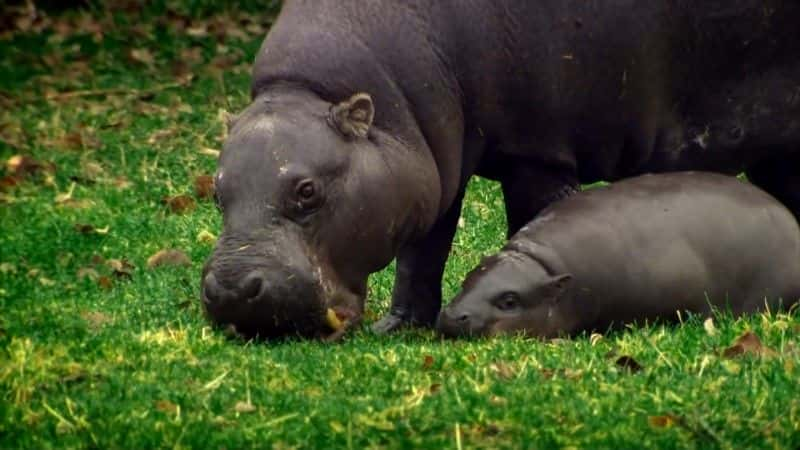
<point>507,301</point>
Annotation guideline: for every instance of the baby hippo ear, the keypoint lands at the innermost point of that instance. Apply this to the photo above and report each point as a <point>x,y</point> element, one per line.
<point>353,117</point>
<point>555,286</point>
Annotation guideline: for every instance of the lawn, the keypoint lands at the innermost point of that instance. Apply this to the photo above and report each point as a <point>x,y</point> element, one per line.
<point>108,116</point>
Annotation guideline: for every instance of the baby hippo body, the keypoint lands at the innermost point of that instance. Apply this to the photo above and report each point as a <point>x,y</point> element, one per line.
<point>640,249</point>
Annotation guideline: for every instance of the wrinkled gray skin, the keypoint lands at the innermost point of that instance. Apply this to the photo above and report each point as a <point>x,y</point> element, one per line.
<point>639,250</point>
<point>539,95</point>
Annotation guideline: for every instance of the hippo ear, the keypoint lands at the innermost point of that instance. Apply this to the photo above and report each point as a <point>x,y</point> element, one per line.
<point>353,117</point>
<point>555,286</point>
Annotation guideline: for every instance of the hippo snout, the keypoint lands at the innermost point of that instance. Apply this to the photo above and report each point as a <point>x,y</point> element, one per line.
<point>250,288</point>
<point>268,301</point>
<point>456,322</point>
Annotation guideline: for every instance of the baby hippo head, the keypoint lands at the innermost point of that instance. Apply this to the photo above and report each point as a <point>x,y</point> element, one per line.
<point>508,292</point>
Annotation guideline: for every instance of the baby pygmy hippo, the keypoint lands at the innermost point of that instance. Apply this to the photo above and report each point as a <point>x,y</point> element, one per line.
<point>640,249</point>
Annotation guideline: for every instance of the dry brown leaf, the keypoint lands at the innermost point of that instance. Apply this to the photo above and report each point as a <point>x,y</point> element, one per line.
<point>121,267</point>
<point>627,362</point>
<point>665,421</point>
<point>198,30</point>
<point>159,135</point>
<point>427,362</point>
<point>9,181</point>
<point>204,187</point>
<point>92,171</point>
<point>105,282</point>
<point>503,370</point>
<point>121,183</point>
<point>180,204</point>
<point>223,62</point>
<point>747,344</point>
<point>87,272</point>
<point>168,257</point>
<point>192,55</point>
<point>142,55</point>
<point>435,388</point>
<point>23,166</point>
<point>166,406</point>
<point>208,151</point>
<point>86,228</point>
<point>95,319</point>
<point>244,407</point>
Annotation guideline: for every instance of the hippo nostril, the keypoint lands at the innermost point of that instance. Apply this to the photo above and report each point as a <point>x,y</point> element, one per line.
<point>463,318</point>
<point>251,285</point>
<point>212,291</point>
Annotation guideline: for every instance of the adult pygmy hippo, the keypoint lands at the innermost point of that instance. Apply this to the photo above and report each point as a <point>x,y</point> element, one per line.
<point>638,250</point>
<point>368,119</point>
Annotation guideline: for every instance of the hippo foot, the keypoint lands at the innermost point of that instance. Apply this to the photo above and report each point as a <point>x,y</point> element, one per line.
<point>389,324</point>
<point>393,322</point>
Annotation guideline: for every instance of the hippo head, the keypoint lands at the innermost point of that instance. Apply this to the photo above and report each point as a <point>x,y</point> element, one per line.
<point>309,211</point>
<point>509,292</point>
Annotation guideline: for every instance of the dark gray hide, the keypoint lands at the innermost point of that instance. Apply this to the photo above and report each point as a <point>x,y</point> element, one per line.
<point>369,118</point>
<point>639,250</point>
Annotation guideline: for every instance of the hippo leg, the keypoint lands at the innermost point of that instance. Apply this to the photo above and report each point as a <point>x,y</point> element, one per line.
<point>529,189</point>
<point>780,177</point>
<point>417,295</point>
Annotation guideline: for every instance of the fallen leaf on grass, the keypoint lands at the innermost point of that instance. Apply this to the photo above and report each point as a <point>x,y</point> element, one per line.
<point>208,151</point>
<point>95,319</point>
<point>91,171</point>
<point>23,166</point>
<point>121,183</point>
<point>159,135</point>
<point>204,187</point>
<point>427,362</point>
<point>121,267</point>
<point>192,55</point>
<point>87,228</point>
<point>105,282</point>
<point>206,237</point>
<point>503,370</point>
<point>747,344</point>
<point>665,421</point>
<point>87,272</point>
<point>168,257</point>
<point>627,362</point>
<point>142,56</point>
<point>180,204</point>
<point>435,388</point>
<point>76,140</point>
<point>166,406</point>
<point>9,181</point>
<point>244,407</point>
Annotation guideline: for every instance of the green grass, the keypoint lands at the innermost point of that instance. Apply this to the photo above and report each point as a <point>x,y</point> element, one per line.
<point>111,361</point>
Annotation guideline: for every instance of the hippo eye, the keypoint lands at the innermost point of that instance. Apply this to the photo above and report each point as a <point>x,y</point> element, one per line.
<point>307,196</point>
<point>305,190</point>
<point>507,301</point>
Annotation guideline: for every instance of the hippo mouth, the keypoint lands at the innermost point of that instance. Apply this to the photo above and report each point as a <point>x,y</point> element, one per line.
<point>338,321</point>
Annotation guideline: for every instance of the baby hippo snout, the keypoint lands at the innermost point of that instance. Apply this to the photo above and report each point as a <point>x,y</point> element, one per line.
<point>455,322</point>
